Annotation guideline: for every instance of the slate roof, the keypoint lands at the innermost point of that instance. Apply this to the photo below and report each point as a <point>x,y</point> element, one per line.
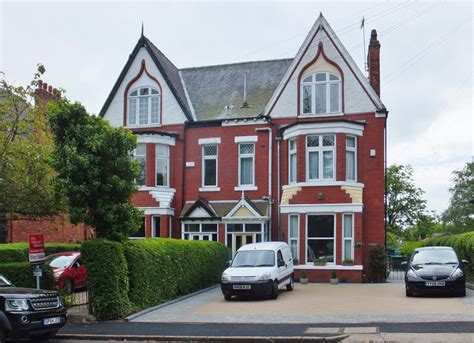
<point>213,88</point>
<point>223,208</point>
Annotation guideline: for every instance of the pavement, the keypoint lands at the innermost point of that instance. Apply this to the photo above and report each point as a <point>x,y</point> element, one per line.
<point>317,303</point>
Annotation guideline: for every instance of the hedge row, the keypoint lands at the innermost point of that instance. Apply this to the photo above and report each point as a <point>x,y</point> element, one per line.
<point>18,252</point>
<point>163,269</point>
<point>107,280</point>
<point>144,273</point>
<point>462,243</point>
<point>21,274</point>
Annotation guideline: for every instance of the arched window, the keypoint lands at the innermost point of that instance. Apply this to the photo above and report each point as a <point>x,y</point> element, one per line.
<point>321,93</point>
<point>144,106</point>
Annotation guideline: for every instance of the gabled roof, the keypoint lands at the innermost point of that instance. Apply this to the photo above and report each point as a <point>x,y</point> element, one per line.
<point>217,92</point>
<point>322,24</point>
<point>167,69</point>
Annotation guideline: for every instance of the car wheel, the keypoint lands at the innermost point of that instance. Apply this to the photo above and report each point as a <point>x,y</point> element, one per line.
<point>227,297</point>
<point>274,293</point>
<point>68,286</point>
<point>408,293</point>
<point>291,285</point>
<point>462,293</point>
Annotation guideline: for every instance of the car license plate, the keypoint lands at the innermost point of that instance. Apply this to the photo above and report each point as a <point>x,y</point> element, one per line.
<point>51,321</point>
<point>435,283</point>
<point>242,287</point>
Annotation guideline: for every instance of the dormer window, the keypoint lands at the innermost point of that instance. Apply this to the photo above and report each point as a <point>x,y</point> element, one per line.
<point>143,106</point>
<point>321,93</point>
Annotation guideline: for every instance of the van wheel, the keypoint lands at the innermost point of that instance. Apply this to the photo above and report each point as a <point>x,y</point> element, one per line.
<point>227,297</point>
<point>274,293</point>
<point>291,285</point>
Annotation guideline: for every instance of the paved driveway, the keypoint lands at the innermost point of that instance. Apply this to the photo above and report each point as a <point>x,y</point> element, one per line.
<point>319,303</point>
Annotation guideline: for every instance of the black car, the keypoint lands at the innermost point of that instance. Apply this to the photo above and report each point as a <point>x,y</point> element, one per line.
<point>435,270</point>
<point>29,313</point>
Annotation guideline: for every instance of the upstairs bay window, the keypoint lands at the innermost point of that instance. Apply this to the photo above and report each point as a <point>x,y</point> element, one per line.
<point>140,156</point>
<point>143,106</point>
<point>209,165</point>
<point>320,161</point>
<point>351,158</point>
<point>162,163</point>
<point>292,161</point>
<point>246,164</point>
<point>321,94</point>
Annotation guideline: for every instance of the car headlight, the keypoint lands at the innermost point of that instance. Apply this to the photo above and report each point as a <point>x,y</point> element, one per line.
<point>411,274</point>
<point>224,277</point>
<point>58,273</point>
<point>265,276</point>
<point>456,274</point>
<point>15,305</point>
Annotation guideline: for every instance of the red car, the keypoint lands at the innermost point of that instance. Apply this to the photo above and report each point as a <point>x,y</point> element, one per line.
<point>69,270</point>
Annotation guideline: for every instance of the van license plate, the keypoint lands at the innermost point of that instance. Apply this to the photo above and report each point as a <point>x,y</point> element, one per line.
<point>242,287</point>
<point>51,321</point>
<point>435,283</point>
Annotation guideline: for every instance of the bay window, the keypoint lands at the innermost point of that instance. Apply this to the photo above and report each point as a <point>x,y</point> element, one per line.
<point>351,158</point>
<point>292,161</point>
<point>320,161</point>
<point>162,156</point>
<point>320,238</point>
<point>246,164</point>
<point>200,232</point>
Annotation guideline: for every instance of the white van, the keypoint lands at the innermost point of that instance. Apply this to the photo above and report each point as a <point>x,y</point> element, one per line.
<point>259,269</point>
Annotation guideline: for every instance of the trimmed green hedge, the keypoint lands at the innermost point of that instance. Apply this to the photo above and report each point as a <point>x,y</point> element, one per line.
<point>21,274</point>
<point>163,269</point>
<point>107,279</point>
<point>18,252</point>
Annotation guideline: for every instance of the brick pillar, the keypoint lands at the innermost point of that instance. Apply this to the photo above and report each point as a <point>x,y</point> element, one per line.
<point>340,157</point>
<point>301,159</point>
<point>164,226</point>
<point>150,165</point>
<point>221,233</point>
<point>147,226</point>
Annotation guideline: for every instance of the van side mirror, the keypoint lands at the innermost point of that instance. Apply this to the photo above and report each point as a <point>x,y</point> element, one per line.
<point>227,263</point>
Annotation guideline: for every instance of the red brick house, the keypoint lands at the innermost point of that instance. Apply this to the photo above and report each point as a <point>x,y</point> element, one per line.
<point>290,149</point>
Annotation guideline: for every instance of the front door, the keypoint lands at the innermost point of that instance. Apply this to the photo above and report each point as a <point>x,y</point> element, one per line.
<point>241,239</point>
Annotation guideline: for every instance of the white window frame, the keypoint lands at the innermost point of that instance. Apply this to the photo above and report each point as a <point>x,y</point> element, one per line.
<point>211,157</point>
<point>253,165</point>
<point>297,235</point>
<point>167,159</point>
<point>313,84</point>
<point>153,226</point>
<point>137,106</point>
<point>344,239</point>
<point>201,234</point>
<point>135,155</point>
<point>321,238</point>
<point>320,149</point>
<point>352,149</point>
<point>292,152</point>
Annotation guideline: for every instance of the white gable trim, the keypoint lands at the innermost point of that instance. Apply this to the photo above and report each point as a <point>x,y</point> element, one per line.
<point>322,24</point>
<point>199,212</point>
<point>242,203</point>
<point>320,128</point>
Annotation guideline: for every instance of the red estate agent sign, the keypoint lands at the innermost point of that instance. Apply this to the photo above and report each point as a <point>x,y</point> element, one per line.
<point>36,247</point>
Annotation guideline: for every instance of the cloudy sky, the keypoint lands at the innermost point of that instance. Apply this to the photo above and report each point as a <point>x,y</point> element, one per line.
<point>426,58</point>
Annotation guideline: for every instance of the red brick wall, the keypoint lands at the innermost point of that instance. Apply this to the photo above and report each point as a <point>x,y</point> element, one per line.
<point>323,275</point>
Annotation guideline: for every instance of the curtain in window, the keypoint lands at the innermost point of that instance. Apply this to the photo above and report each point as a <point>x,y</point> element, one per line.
<point>246,171</point>
<point>143,111</point>
<point>313,165</point>
<point>155,109</point>
<point>328,165</point>
<point>347,237</point>
<point>293,167</point>
<point>350,165</point>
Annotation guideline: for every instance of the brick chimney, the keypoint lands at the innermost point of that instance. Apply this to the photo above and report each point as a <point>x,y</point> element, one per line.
<point>45,93</point>
<point>373,62</point>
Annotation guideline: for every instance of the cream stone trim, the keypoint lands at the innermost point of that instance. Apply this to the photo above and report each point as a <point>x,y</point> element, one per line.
<point>354,192</point>
<point>288,194</point>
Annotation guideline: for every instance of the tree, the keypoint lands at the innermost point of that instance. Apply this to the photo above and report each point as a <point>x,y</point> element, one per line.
<point>405,204</point>
<point>96,170</point>
<point>26,170</point>
<point>459,216</point>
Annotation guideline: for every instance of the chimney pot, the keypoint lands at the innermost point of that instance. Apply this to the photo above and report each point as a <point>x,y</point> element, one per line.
<point>40,84</point>
<point>45,86</point>
<point>50,89</point>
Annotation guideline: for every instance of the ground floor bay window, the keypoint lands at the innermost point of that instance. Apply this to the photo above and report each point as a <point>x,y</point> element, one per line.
<point>200,231</point>
<point>320,240</point>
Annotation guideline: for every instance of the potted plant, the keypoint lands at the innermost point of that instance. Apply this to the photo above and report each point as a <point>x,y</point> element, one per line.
<point>319,261</point>
<point>303,277</point>
<point>296,261</point>
<point>334,280</point>
<point>348,262</point>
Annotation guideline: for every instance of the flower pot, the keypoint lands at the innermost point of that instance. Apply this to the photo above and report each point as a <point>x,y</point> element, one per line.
<point>334,281</point>
<point>304,280</point>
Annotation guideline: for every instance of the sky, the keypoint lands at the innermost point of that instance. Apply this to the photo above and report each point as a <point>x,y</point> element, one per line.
<point>426,58</point>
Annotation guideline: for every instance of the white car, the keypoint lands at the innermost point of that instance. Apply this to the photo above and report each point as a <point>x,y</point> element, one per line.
<point>259,269</point>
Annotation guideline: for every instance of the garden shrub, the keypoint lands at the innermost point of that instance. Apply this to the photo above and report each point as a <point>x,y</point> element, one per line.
<point>409,247</point>
<point>18,252</point>
<point>107,279</point>
<point>163,269</point>
<point>21,274</point>
<point>377,263</point>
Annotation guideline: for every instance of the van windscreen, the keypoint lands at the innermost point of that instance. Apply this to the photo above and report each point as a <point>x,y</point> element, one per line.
<point>254,258</point>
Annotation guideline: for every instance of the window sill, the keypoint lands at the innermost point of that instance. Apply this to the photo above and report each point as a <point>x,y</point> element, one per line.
<point>309,115</point>
<point>209,189</point>
<point>328,267</point>
<point>245,188</point>
<point>133,238</point>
